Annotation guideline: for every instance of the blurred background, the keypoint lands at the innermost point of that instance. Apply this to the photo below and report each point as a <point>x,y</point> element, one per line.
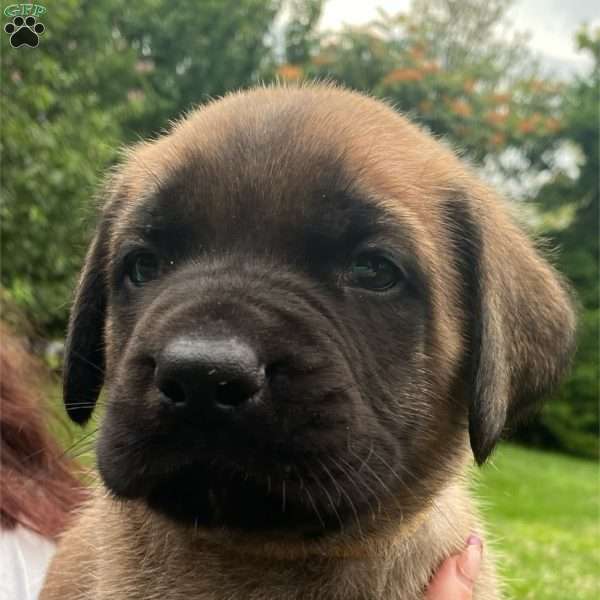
<point>513,86</point>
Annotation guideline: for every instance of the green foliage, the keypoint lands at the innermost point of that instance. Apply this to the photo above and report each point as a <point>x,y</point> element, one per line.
<point>572,416</point>
<point>301,37</point>
<point>105,72</point>
<point>454,68</point>
<point>57,131</point>
<point>192,51</point>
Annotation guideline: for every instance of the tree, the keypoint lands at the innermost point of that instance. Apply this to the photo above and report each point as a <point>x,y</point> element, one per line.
<point>190,52</point>
<point>105,73</point>
<point>572,416</point>
<point>301,37</point>
<point>455,68</point>
<point>58,130</point>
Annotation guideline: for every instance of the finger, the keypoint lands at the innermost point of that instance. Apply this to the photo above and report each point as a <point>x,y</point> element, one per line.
<point>456,577</point>
<point>469,562</point>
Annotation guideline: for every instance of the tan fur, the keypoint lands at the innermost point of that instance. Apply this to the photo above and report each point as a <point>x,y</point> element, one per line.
<point>120,550</point>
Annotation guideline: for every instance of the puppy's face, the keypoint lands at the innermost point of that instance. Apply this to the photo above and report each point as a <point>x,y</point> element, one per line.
<point>303,306</point>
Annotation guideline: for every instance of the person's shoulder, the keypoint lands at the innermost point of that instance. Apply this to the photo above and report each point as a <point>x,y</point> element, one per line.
<point>25,557</point>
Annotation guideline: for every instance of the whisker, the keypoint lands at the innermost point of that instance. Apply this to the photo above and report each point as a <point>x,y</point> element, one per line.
<point>84,438</point>
<point>88,362</point>
<point>434,504</point>
<point>313,504</point>
<point>329,498</point>
<point>341,490</point>
<point>348,473</point>
<point>384,485</point>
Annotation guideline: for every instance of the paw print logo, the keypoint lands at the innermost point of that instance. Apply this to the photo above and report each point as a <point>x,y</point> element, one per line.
<point>24,32</point>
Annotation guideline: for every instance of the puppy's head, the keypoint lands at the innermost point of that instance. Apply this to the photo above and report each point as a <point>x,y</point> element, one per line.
<point>304,307</point>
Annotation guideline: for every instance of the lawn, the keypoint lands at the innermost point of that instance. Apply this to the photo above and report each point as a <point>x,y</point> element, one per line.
<point>543,511</point>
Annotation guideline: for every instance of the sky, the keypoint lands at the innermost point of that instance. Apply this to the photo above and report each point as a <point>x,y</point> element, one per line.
<point>552,25</point>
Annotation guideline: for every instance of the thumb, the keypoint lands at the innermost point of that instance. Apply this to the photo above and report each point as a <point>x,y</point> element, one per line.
<point>456,577</point>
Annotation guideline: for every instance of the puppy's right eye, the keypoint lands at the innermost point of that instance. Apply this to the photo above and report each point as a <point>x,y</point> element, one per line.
<point>142,267</point>
<point>374,272</point>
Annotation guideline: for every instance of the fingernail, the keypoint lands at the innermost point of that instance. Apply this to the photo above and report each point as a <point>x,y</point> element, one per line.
<point>469,561</point>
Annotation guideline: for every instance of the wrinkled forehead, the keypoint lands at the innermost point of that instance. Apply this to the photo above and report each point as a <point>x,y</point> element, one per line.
<point>269,172</point>
<point>299,213</point>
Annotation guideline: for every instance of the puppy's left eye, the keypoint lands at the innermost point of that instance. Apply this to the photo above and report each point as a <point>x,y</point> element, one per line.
<point>142,267</point>
<point>374,272</point>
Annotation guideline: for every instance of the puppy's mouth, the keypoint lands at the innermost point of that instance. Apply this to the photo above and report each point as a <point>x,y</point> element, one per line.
<point>311,501</point>
<point>208,497</point>
<point>223,481</point>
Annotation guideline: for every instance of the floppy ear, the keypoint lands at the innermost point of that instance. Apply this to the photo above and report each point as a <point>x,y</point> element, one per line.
<point>83,373</point>
<point>522,323</point>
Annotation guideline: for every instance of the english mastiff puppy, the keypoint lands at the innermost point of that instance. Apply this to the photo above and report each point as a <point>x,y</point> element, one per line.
<point>308,316</point>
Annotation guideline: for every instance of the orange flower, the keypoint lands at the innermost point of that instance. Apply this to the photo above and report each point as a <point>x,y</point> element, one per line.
<point>469,85</point>
<point>430,67</point>
<point>417,52</point>
<point>501,98</point>
<point>289,72</point>
<point>403,75</point>
<point>461,108</point>
<point>498,139</point>
<point>526,125</point>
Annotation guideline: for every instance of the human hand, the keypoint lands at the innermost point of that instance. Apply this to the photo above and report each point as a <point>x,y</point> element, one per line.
<point>454,580</point>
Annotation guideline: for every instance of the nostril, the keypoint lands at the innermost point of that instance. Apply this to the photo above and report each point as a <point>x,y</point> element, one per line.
<point>231,393</point>
<point>235,392</point>
<point>208,376</point>
<point>173,392</point>
<point>275,369</point>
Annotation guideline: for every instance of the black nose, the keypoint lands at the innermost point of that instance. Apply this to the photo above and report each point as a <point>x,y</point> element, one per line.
<point>216,375</point>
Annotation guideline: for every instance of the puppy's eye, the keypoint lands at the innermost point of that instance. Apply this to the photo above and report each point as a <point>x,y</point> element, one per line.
<point>142,267</point>
<point>374,272</point>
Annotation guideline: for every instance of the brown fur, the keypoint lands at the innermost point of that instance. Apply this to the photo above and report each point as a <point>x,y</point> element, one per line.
<point>497,332</point>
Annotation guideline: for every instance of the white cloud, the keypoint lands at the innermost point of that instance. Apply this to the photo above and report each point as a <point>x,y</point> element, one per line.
<point>552,25</point>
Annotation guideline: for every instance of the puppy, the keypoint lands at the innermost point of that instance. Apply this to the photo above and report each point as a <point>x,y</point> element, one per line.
<point>308,316</point>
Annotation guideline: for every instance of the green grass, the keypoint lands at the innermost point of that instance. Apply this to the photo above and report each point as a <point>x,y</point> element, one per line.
<point>543,513</point>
